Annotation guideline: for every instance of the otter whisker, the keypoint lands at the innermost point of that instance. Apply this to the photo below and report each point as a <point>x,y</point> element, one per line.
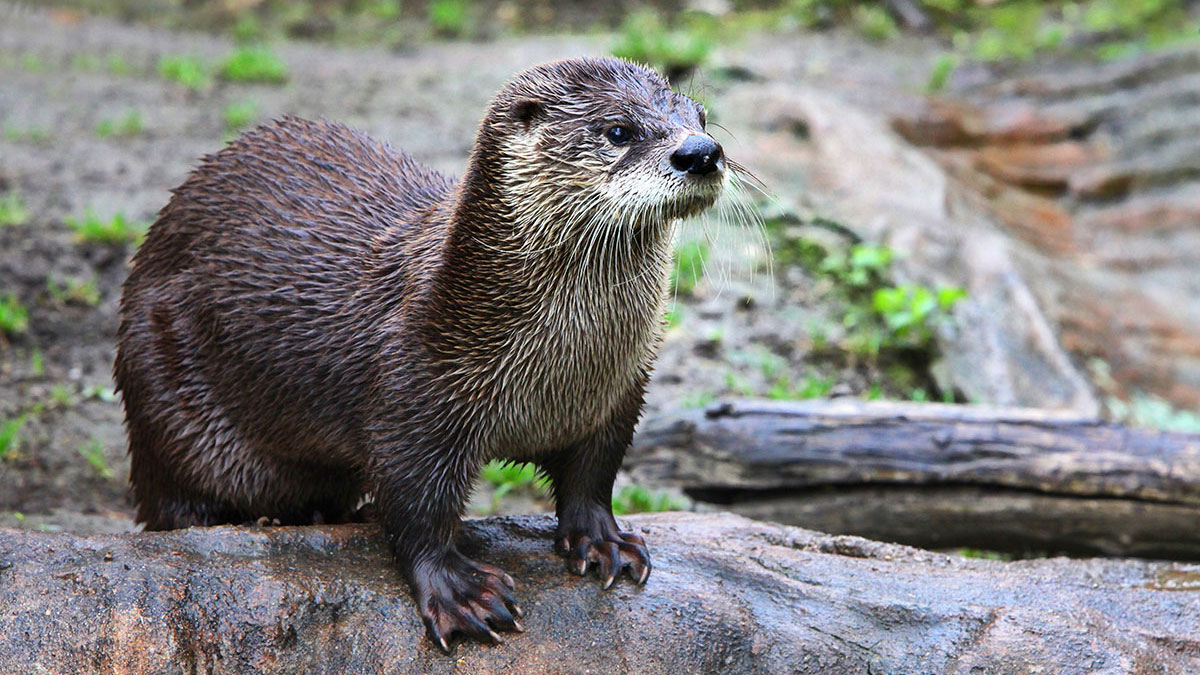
<point>722,127</point>
<point>741,172</point>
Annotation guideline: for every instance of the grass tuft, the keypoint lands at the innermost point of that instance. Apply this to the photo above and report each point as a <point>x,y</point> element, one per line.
<point>93,452</point>
<point>14,317</point>
<point>254,64</point>
<point>190,71</point>
<point>129,124</point>
<point>115,230</point>
<point>239,115</point>
<point>10,435</point>
<point>448,18</point>
<point>644,37</point>
<point>12,209</point>
<point>637,499</point>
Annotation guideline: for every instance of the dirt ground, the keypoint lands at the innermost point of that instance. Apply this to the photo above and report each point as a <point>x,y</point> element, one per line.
<point>741,329</point>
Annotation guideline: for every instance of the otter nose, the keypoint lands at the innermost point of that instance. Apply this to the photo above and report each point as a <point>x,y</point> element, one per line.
<point>697,154</point>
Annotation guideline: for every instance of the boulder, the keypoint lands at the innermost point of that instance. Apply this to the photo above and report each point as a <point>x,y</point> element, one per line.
<point>1096,189</point>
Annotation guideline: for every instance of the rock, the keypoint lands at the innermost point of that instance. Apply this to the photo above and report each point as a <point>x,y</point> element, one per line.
<point>1045,167</point>
<point>1005,351</point>
<point>1101,192</point>
<point>1037,220</point>
<point>727,595</point>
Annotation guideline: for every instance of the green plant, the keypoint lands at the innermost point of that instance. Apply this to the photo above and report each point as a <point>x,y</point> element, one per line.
<point>508,476</point>
<point>254,64</point>
<point>908,310</point>
<point>61,395</point>
<point>738,384</point>
<point>33,135</point>
<point>673,318</point>
<point>190,71</point>
<point>93,452</point>
<point>983,554</point>
<point>637,499</point>
<point>943,68</point>
<point>385,9</point>
<point>101,393</point>
<point>115,230</point>
<point>73,291</point>
<point>32,62</point>
<point>689,266</point>
<point>12,209</point>
<point>14,317</point>
<point>448,17</point>
<point>10,435</point>
<point>646,38</point>
<point>247,29</point>
<point>37,363</point>
<point>87,63</point>
<point>700,399</point>
<point>117,65</point>
<point>874,22</point>
<point>879,315</point>
<point>813,386</point>
<point>129,124</point>
<point>239,114</point>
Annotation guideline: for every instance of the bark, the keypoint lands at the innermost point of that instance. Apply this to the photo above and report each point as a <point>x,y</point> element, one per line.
<point>935,475</point>
<point>727,595</point>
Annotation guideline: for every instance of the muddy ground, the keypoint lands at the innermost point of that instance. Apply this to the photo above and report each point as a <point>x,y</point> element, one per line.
<point>745,326</point>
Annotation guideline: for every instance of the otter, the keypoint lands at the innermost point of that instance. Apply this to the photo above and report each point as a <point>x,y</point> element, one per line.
<point>314,317</point>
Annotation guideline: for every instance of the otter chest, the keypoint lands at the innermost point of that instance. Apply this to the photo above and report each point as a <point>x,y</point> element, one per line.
<point>564,375</point>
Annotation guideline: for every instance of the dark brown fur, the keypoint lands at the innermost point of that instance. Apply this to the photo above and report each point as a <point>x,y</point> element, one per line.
<point>314,317</point>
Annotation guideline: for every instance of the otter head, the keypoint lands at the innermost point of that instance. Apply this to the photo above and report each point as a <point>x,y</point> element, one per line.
<point>597,143</point>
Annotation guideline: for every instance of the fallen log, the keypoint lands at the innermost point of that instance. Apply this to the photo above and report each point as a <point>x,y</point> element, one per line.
<point>934,475</point>
<point>727,595</point>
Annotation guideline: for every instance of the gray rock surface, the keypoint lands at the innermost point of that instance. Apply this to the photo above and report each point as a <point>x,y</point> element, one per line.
<point>1004,351</point>
<point>1091,173</point>
<point>727,595</point>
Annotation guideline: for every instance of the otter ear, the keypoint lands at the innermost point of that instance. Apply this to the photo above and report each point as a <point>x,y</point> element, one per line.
<point>526,110</point>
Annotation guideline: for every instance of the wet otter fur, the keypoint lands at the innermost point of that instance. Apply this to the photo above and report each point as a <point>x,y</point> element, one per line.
<point>314,317</point>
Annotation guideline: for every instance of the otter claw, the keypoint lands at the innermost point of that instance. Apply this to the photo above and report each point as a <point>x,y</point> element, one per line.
<point>609,555</point>
<point>461,599</point>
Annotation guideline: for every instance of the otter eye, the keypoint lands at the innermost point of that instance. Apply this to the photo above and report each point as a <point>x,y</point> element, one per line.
<point>619,135</point>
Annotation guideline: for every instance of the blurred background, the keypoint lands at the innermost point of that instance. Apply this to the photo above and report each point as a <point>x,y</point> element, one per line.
<point>965,202</point>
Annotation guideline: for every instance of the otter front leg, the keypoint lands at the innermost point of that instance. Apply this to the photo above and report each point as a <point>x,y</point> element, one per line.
<point>420,503</point>
<point>583,477</point>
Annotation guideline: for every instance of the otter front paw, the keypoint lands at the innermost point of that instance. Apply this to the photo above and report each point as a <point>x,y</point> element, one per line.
<point>465,597</point>
<point>608,554</point>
